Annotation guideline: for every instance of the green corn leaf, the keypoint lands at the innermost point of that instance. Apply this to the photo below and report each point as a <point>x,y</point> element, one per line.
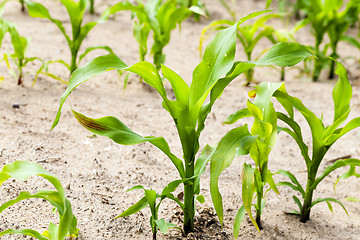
<point>162,225</point>
<point>200,198</point>
<point>238,220</point>
<point>216,91</point>
<point>91,69</point>
<point>268,2</point>
<point>200,165</point>
<point>151,199</point>
<point>284,55</point>
<point>213,26</point>
<point>222,159</point>
<point>217,61</point>
<point>294,213</point>
<point>352,199</point>
<point>354,123</point>
<point>333,167</point>
<point>114,129</point>
<point>141,204</point>
<point>342,92</point>
<point>296,135</point>
<point>37,10</point>
<point>316,125</point>
<point>328,200</point>
<point>248,190</point>
<point>90,49</point>
<point>22,170</point>
<point>353,41</point>
<point>293,179</point>
<point>242,113</point>
<point>27,232</point>
<point>51,196</point>
<point>269,179</point>
<point>297,201</point>
<point>179,86</point>
<point>351,172</point>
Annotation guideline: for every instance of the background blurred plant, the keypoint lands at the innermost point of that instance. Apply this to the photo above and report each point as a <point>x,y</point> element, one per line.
<point>79,32</point>
<point>20,45</point>
<point>22,170</point>
<point>327,17</point>
<point>157,17</point>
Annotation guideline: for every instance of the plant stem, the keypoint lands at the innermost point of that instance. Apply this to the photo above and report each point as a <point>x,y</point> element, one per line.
<point>73,65</point>
<point>305,212</point>
<point>189,211</point>
<point>22,5</point>
<point>258,209</point>
<point>20,72</point>
<point>317,64</point>
<point>92,10</point>
<point>332,70</point>
<point>282,74</point>
<point>159,58</point>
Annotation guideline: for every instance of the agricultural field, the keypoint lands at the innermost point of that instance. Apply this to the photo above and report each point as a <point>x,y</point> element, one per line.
<point>100,159</point>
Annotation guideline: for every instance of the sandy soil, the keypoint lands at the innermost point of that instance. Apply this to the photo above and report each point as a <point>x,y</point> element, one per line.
<point>97,172</point>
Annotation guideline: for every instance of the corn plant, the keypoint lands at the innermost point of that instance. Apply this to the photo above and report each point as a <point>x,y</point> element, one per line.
<point>248,34</point>
<point>20,45</point>
<point>150,199</point>
<point>259,143</point>
<point>156,17</point>
<point>322,140</point>
<point>79,32</point>
<point>326,17</point>
<point>22,170</point>
<point>188,110</point>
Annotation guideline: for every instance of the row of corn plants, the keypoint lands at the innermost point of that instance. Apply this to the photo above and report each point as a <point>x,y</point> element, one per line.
<point>158,18</point>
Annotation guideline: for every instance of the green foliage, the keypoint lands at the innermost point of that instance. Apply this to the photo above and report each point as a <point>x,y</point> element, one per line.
<point>22,170</point>
<point>326,17</point>
<point>149,199</point>
<point>258,142</point>
<point>189,110</point>
<point>322,140</point>
<point>157,17</point>
<point>79,32</point>
<point>20,45</point>
<point>248,34</point>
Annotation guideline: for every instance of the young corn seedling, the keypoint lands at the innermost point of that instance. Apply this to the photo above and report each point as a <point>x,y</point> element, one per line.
<point>259,143</point>
<point>189,110</point>
<point>248,35</point>
<point>322,140</point>
<point>20,45</point>
<point>22,170</point>
<point>150,198</point>
<point>79,32</point>
<point>157,17</point>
